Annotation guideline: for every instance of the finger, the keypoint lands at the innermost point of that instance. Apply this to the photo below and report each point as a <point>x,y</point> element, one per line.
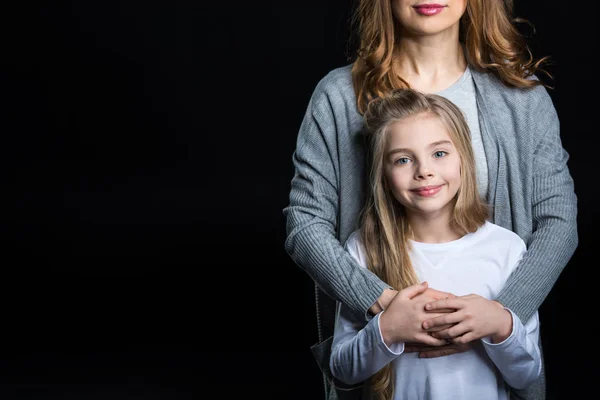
<point>464,339</point>
<point>442,310</point>
<point>455,332</point>
<point>415,344</point>
<point>434,324</point>
<point>430,340</point>
<point>434,314</point>
<point>440,295</point>
<point>454,303</point>
<point>440,329</point>
<point>441,352</point>
<point>414,290</point>
<point>442,335</point>
<point>417,347</point>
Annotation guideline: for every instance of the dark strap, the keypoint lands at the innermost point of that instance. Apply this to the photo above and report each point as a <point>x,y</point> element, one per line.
<point>334,389</point>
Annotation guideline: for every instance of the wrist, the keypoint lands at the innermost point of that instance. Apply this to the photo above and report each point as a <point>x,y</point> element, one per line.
<point>375,309</point>
<point>384,329</point>
<point>382,301</point>
<point>505,329</point>
<point>496,302</point>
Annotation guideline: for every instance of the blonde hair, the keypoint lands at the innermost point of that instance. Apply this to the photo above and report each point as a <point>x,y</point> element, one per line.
<point>487,29</point>
<point>384,229</point>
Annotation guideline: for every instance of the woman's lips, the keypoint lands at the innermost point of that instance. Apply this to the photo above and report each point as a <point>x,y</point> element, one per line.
<point>429,9</point>
<point>427,190</point>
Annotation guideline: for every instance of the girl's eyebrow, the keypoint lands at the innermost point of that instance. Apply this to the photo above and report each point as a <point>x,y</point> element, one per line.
<point>405,150</point>
<point>439,142</point>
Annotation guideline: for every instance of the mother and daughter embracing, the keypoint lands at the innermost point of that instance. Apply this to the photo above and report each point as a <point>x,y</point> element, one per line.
<point>432,205</point>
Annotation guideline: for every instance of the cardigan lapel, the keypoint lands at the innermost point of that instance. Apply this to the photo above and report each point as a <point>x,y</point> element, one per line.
<point>490,140</point>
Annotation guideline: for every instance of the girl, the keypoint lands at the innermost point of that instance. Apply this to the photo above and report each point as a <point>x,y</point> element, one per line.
<point>425,220</point>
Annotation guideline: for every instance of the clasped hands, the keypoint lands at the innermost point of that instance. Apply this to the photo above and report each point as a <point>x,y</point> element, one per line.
<point>436,323</point>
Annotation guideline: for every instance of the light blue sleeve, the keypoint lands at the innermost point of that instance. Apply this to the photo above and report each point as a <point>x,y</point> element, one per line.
<point>518,357</point>
<point>358,350</point>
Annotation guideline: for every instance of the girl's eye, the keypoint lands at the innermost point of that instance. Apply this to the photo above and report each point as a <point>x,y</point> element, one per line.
<point>439,154</point>
<point>402,160</point>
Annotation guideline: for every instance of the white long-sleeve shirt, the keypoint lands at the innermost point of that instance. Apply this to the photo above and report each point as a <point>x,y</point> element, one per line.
<point>476,263</point>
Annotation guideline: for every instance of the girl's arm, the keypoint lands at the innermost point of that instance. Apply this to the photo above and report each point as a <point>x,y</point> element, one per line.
<point>510,345</point>
<point>518,357</point>
<point>358,351</point>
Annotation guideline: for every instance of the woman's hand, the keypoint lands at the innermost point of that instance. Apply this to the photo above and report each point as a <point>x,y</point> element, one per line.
<point>426,351</point>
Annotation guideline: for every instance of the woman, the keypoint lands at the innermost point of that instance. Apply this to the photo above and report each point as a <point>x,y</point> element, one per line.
<point>471,53</point>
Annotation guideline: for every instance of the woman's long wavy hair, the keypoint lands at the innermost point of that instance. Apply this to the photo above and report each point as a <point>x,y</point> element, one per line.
<point>384,227</point>
<point>487,30</point>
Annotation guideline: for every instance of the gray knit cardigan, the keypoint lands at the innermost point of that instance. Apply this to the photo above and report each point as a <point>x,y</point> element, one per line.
<point>530,188</point>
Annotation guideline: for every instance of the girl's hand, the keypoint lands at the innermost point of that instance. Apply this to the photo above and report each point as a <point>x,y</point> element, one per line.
<point>386,297</point>
<point>475,317</point>
<point>403,317</point>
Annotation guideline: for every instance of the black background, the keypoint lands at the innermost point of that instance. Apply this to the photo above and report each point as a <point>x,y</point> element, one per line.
<point>146,159</point>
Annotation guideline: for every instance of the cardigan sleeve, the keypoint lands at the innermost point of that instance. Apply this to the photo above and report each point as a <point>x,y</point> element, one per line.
<point>554,230</point>
<point>312,213</point>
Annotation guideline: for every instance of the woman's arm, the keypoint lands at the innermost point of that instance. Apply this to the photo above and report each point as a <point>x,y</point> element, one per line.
<point>554,238</point>
<point>312,214</point>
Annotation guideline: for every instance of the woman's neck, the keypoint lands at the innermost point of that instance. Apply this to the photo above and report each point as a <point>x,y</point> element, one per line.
<point>430,64</point>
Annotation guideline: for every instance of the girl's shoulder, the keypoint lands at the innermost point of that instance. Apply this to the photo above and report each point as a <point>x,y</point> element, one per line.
<point>354,239</point>
<point>356,248</point>
<point>496,233</point>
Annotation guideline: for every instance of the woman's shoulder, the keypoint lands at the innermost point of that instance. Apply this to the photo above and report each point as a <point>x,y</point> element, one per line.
<point>496,92</point>
<point>334,94</point>
<point>528,111</point>
<point>337,83</point>
<point>340,76</point>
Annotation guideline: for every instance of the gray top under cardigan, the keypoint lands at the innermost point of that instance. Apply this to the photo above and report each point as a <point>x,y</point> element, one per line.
<point>529,186</point>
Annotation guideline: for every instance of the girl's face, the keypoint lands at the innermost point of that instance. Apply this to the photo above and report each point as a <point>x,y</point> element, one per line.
<point>428,17</point>
<point>422,166</point>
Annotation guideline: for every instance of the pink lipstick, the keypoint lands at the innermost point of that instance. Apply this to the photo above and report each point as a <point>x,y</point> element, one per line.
<point>427,191</point>
<point>429,9</point>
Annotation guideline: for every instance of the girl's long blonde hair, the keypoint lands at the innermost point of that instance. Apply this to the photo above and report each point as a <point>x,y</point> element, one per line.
<point>384,228</point>
<point>487,30</point>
